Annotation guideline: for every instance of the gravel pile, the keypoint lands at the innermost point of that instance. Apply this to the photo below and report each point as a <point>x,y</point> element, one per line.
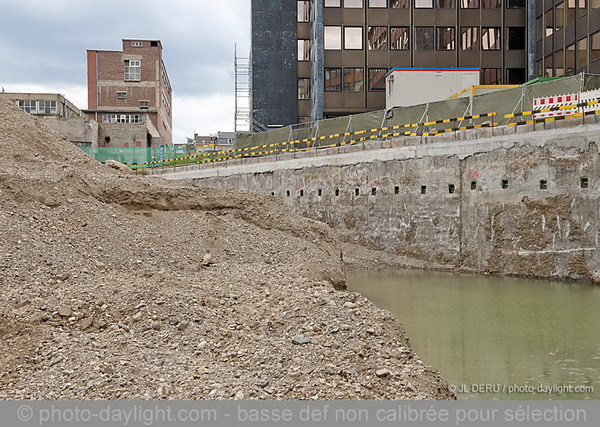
<point>115,286</point>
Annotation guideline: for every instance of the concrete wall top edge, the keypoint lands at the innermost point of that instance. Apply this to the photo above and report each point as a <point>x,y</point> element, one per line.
<point>579,137</point>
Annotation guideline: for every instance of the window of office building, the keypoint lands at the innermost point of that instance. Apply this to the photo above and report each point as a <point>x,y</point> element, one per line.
<point>333,79</point>
<point>594,4</point>
<point>399,4</point>
<point>549,66</point>
<point>423,4</point>
<point>378,3</point>
<point>133,70</point>
<point>559,63</point>
<point>332,3</point>
<point>446,38</point>
<point>515,76</point>
<point>582,8</point>
<point>515,37</point>
<point>469,38</point>
<point>378,38</point>
<point>559,16</point>
<point>304,11</point>
<point>28,106</point>
<point>582,54</point>
<point>353,38</point>
<point>423,38</point>
<point>570,60</point>
<point>539,28</point>
<point>515,3</point>
<point>399,38</point>
<point>47,107</point>
<point>595,47</point>
<point>469,4</point>
<point>491,4</point>
<point>490,38</point>
<point>490,76</point>
<point>332,37</point>
<point>354,79</point>
<point>570,11</point>
<point>444,4</point>
<point>303,50</point>
<point>549,22</point>
<point>377,79</point>
<point>303,88</point>
<point>355,4</point>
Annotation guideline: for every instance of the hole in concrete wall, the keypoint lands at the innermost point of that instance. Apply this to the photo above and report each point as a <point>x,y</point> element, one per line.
<point>373,191</point>
<point>288,193</point>
<point>337,191</point>
<point>473,185</point>
<point>451,189</point>
<point>423,189</point>
<point>396,190</point>
<point>504,184</point>
<point>543,184</point>
<point>273,193</point>
<point>356,192</point>
<point>107,139</point>
<point>301,193</point>
<point>584,183</point>
<point>320,192</point>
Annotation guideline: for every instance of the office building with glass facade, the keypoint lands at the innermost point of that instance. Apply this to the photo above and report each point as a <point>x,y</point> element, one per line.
<point>334,54</point>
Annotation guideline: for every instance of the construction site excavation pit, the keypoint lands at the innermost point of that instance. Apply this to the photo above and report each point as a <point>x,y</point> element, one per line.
<point>117,286</point>
<point>497,338</point>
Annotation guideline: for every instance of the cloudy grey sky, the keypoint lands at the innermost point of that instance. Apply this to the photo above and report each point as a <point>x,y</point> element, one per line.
<point>43,47</point>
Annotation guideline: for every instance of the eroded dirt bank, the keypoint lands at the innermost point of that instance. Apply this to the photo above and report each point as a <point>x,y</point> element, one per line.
<point>105,292</point>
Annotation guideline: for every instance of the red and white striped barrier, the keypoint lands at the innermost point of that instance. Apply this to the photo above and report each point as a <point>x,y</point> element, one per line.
<point>568,99</point>
<point>553,102</point>
<point>592,95</point>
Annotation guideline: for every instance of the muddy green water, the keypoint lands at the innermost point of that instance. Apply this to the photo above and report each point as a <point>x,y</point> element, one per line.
<point>497,338</point>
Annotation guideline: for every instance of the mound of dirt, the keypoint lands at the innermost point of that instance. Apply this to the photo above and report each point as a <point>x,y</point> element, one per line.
<point>108,291</point>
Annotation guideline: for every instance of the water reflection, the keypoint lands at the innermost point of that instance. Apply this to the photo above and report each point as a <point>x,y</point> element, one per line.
<point>535,339</point>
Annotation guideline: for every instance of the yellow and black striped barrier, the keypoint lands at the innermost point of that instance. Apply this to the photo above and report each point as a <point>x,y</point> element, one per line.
<point>555,118</point>
<point>366,135</point>
<point>552,109</point>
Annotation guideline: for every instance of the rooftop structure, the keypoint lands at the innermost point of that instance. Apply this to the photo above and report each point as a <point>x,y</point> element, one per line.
<point>130,95</point>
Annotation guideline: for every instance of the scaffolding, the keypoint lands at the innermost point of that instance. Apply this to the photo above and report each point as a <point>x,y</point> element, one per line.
<point>243,81</point>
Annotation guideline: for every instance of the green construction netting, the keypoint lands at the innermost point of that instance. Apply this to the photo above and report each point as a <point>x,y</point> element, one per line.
<point>136,155</point>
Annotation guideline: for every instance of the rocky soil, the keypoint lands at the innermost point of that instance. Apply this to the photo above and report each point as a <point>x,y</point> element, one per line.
<point>115,286</point>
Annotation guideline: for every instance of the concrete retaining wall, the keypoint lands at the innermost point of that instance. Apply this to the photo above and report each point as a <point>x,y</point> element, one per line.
<point>507,204</point>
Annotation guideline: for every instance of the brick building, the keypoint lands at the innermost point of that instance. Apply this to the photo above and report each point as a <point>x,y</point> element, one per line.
<point>130,95</point>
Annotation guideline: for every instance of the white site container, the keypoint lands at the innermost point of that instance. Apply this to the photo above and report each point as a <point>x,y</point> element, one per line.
<point>413,86</point>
